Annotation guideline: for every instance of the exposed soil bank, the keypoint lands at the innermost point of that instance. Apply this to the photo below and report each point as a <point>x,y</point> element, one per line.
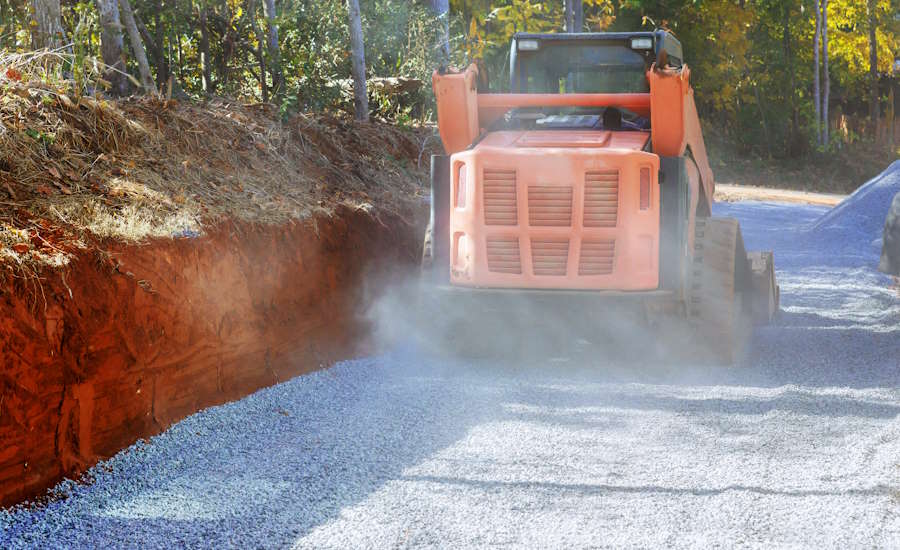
<point>149,334</point>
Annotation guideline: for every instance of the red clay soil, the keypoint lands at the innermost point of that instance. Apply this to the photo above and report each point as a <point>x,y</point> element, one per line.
<point>149,334</point>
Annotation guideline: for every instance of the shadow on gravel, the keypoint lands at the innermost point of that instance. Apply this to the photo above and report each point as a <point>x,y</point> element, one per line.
<point>584,489</point>
<point>810,349</point>
<point>264,471</point>
<point>826,357</point>
<point>797,402</point>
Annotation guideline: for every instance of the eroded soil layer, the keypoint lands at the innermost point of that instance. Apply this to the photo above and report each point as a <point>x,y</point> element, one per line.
<point>120,346</point>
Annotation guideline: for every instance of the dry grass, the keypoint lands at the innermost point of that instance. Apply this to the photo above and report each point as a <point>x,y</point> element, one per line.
<point>75,170</point>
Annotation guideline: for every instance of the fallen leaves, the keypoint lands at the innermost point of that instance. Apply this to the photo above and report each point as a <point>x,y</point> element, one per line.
<point>14,74</point>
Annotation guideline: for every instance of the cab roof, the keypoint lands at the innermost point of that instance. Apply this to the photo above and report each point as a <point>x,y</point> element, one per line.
<point>662,39</point>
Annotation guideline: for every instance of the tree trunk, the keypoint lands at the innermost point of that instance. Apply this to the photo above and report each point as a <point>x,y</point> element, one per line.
<point>137,46</point>
<point>570,15</point>
<point>160,58</point>
<point>889,116</point>
<point>227,44</point>
<point>578,15</point>
<point>794,135</point>
<point>46,28</point>
<point>258,51</point>
<point>358,53</point>
<point>762,118</point>
<point>205,69</point>
<point>111,46</point>
<point>177,39</point>
<point>817,94</point>
<point>825,136</point>
<point>873,64</point>
<point>441,11</point>
<point>152,46</point>
<point>274,49</point>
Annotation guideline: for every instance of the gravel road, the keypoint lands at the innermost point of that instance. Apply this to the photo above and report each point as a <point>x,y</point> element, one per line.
<point>798,447</point>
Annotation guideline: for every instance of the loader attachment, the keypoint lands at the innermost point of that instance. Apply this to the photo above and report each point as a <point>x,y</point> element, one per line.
<point>765,292</point>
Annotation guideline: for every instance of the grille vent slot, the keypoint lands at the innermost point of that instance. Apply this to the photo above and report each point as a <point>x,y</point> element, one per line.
<point>601,198</point>
<point>503,255</point>
<point>597,257</point>
<point>500,201</point>
<point>549,206</point>
<point>549,256</point>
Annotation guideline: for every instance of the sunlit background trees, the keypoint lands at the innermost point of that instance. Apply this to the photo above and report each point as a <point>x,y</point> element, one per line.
<point>754,62</point>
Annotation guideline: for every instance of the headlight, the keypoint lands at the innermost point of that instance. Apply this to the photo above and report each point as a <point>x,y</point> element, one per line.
<point>641,44</point>
<point>529,45</point>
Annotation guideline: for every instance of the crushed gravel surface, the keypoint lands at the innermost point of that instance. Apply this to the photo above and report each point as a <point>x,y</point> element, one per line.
<point>800,446</point>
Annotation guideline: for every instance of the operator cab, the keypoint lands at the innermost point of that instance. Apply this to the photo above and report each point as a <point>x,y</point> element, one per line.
<point>593,63</point>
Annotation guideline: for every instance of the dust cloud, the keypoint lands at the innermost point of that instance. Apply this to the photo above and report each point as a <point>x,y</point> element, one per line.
<point>522,328</point>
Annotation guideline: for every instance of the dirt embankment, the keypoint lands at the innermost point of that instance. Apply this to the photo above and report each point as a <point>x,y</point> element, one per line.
<point>158,257</point>
<point>125,343</point>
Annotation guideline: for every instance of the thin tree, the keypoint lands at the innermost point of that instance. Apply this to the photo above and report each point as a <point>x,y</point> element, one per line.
<point>258,51</point>
<point>873,65</point>
<point>273,48</point>
<point>358,58</point>
<point>817,93</point>
<point>206,80</point>
<point>154,45</point>
<point>46,28</point>
<point>112,46</point>
<point>441,11</point>
<point>570,15</point>
<point>578,15</point>
<point>762,120</point>
<point>159,54</point>
<point>137,46</point>
<point>825,122</point>
<point>787,46</point>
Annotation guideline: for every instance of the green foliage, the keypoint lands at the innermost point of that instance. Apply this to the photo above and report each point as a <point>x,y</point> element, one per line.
<point>849,37</point>
<point>752,62</point>
<point>483,30</point>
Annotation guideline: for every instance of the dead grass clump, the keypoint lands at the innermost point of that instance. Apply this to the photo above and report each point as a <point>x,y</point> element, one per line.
<point>22,248</point>
<point>153,168</point>
<point>131,222</point>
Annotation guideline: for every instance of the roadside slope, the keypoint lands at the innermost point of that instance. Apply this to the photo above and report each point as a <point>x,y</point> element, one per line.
<point>160,257</point>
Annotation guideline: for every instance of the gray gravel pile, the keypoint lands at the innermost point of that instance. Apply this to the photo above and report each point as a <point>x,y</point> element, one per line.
<point>798,447</point>
<point>857,223</point>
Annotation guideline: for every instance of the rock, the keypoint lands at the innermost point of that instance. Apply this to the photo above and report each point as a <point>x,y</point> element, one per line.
<point>890,248</point>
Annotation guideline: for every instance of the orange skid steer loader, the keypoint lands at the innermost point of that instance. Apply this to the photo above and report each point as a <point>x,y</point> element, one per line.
<point>588,185</point>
